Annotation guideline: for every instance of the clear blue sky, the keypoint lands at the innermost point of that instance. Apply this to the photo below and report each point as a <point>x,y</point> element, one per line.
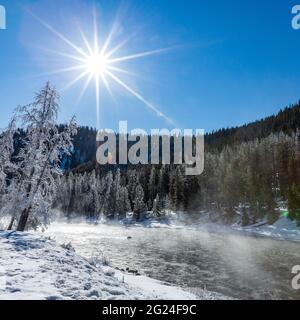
<point>237,61</point>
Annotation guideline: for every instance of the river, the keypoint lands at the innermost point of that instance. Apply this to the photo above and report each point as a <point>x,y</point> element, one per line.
<point>226,262</point>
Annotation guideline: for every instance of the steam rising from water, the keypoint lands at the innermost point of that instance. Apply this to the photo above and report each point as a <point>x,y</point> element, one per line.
<point>204,257</point>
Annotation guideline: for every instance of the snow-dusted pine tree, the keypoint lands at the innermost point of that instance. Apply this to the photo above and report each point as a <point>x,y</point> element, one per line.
<point>7,148</point>
<point>108,196</point>
<point>117,190</point>
<point>152,187</point>
<point>8,172</point>
<point>167,204</point>
<point>131,185</point>
<point>124,203</point>
<point>139,204</point>
<point>156,207</point>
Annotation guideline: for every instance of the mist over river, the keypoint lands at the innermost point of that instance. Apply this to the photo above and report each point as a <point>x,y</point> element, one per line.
<point>225,262</point>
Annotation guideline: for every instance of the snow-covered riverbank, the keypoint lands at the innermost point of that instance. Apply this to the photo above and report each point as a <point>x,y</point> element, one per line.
<point>35,267</point>
<point>282,229</point>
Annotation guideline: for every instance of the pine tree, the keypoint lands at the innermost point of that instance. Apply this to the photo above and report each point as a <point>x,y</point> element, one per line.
<point>118,197</point>
<point>124,203</point>
<point>167,204</point>
<point>131,185</point>
<point>152,189</point>
<point>139,205</point>
<point>156,208</point>
<point>93,194</point>
<point>109,201</point>
<point>176,189</point>
<point>163,182</point>
<point>8,172</point>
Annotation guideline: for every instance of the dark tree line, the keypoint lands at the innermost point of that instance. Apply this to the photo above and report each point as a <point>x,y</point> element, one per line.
<point>249,172</point>
<point>244,182</point>
<point>115,193</point>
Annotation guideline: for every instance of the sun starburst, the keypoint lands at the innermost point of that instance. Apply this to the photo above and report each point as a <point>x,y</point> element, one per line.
<point>100,64</point>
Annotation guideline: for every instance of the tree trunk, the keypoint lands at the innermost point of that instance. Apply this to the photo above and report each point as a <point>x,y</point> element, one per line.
<point>23,219</point>
<point>25,213</point>
<point>11,223</point>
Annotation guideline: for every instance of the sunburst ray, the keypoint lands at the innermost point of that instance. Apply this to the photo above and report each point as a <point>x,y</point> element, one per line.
<point>59,35</point>
<point>98,62</point>
<point>139,97</point>
<point>75,80</point>
<point>138,55</point>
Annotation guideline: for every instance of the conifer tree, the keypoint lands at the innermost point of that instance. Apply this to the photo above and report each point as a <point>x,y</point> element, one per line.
<point>139,205</point>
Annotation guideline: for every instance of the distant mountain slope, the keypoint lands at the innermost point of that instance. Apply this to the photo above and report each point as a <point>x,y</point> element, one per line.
<point>286,120</point>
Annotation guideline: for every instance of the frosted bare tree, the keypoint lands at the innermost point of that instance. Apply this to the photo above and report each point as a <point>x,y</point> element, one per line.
<point>40,156</point>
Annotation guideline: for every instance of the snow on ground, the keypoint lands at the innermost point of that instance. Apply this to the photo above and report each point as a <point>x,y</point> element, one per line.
<point>35,267</point>
<point>283,229</point>
<point>157,289</point>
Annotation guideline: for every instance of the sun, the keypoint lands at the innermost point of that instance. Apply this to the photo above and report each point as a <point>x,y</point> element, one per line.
<point>99,63</point>
<point>96,65</point>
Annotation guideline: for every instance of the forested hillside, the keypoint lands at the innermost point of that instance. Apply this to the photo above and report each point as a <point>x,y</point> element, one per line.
<point>286,120</point>
<point>249,172</point>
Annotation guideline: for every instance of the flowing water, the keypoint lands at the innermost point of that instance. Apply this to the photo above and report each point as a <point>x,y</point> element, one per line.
<point>225,262</point>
